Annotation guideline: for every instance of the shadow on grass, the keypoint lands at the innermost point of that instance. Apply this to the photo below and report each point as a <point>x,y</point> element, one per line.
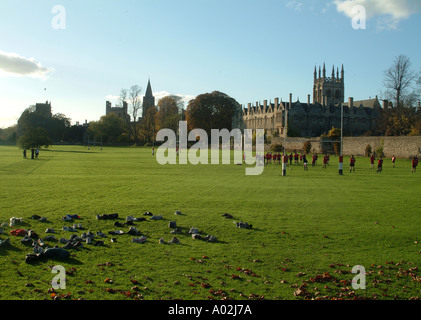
<point>70,151</point>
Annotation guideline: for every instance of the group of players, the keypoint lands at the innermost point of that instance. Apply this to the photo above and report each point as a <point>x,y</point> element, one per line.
<point>277,158</point>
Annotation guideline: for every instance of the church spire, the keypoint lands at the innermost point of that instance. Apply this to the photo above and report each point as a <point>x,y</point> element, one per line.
<point>149,89</point>
<point>148,99</point>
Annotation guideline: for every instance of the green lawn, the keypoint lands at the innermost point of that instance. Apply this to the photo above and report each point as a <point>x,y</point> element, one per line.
<point>309,228</point>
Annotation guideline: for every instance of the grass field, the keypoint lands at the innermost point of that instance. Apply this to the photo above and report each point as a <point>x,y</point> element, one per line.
<point>310,228</point>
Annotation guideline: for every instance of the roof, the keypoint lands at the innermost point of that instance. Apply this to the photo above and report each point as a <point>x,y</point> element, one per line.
<point>148,90</point>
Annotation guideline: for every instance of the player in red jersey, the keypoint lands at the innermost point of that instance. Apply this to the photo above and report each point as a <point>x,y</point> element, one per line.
<point>414,164</point>
<point>380,165</point>
<point>372,158</point>
<point>352,164</point>
<point>393,160</point>
<point>325,161</point>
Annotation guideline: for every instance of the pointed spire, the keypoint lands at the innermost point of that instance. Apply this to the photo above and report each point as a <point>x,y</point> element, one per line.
<point>315,73</point>
<point>333,72</point>
<point>148,89</point>
<point>324,70</point>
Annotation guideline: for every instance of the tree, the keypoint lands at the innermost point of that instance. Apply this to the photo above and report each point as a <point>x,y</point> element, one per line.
<point>399,79</point>
<point>168,114</point>
<point>148,126</point>
<point>57,126</point>
<point>211,111</point>
<point>132,120</point>
<point>397,121</point>
<point>31,121</point>
<point>109,128</point>
<point>34,138</point>
<point>334,134</point>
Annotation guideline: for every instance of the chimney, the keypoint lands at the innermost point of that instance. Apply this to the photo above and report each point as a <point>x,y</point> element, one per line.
<point>276,103</point>
<point>308,99</point>
<point>290,101</point>
<point>351,102</point>
<point>265,104</point>
<point>385,104</point>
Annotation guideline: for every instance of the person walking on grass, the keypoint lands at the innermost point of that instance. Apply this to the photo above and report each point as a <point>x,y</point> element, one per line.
<point>372,158</point>
<point>380,165</point>
<point>393,160</point>
<point>352,164</point>
<point>24,153</point>
<point>414,164</point>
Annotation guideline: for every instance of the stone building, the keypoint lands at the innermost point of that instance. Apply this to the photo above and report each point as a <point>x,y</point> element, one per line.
<point>312,119</point>
<point>118,111</point>
<point>122,112</point>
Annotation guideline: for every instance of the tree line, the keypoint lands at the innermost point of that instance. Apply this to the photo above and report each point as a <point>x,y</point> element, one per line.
<point>211,110</point>
<point>207,111</point>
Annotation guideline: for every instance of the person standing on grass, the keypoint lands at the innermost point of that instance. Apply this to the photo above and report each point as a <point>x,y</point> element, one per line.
<point>305,162</point>
<point>24,153</point>
<point>313,163</point>
<point>372,158</point>
<point>352,164</point>
<point>414,164</point>
<point>393,160</point>
<point>36,153</point>
<point>325,161</point>
<point>380,165</point>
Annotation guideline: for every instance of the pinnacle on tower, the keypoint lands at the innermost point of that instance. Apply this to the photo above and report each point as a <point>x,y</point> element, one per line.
<point>148,89</point>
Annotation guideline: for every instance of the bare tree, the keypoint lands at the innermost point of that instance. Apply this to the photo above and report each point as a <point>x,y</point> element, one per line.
<point>399,78</point>
<point>133,97</point>
<point>136,104</point>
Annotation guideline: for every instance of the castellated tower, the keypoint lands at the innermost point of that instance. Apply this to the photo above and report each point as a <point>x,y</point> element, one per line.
<point>328,90</point>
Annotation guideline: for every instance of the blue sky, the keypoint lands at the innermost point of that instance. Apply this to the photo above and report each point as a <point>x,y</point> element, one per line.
<point>251,50</point>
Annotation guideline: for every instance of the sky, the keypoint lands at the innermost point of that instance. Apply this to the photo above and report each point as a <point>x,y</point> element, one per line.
<point>79,54</point>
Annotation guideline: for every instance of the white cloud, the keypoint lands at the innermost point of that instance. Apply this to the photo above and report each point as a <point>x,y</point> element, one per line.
<point>398,9</point>
<point>184,97</point>
<point>12,64</point>
<point>111,97</point>
<point>295,5</point>
<point>388,12</point>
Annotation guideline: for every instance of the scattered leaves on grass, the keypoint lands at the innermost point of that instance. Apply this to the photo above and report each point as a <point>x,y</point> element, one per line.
<point>108,280</point>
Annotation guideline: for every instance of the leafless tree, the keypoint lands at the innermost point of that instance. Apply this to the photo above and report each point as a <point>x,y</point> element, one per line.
<point>399,79</point>
<point>132,96</point>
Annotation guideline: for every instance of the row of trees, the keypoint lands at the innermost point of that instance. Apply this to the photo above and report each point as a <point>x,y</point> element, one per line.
<point>35,129</point>
<point>207,111</point>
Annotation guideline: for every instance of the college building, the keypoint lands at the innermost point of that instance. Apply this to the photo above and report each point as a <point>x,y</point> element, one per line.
<point>313,118</point>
